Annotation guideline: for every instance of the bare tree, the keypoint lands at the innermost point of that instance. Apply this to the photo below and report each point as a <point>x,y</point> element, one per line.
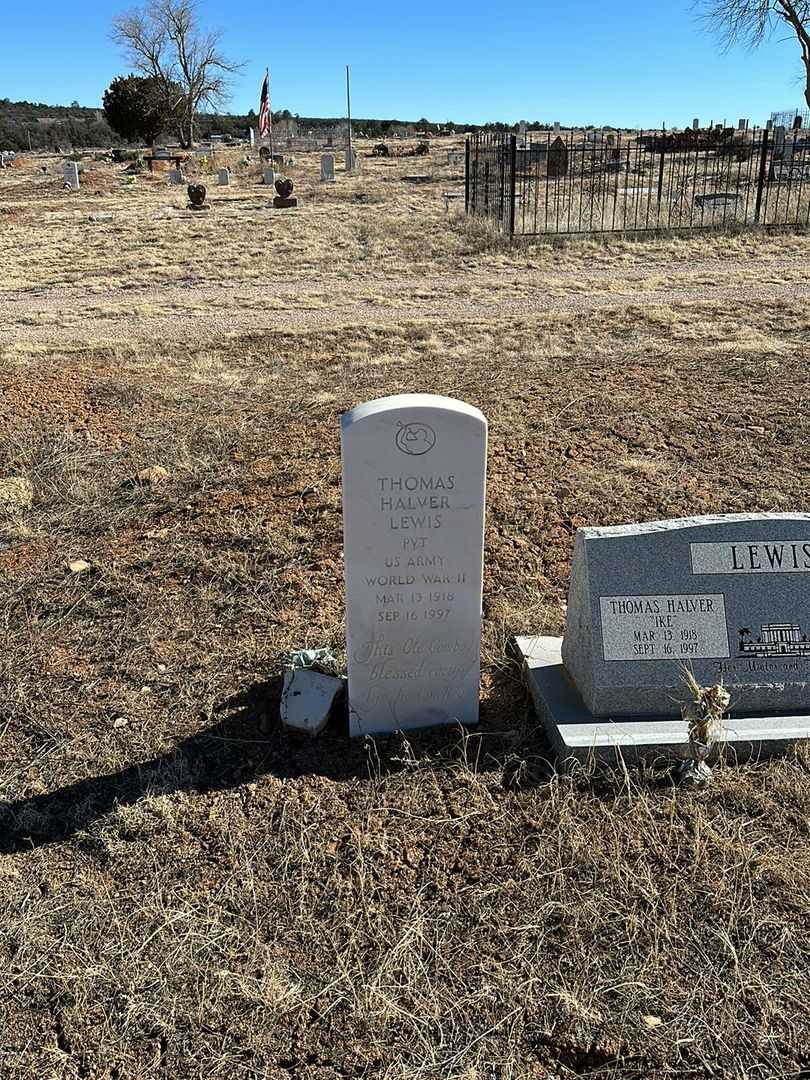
<point>752,21</point>
<point>165,42</point>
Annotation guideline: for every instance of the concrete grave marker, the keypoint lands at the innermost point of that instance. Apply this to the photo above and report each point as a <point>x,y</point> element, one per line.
<point>269,177</point>
<point>71,175</point>
<point>224,177</point>
<point>414,474</point>
<point>727,595</point>
<point>351,160</point>
<point>328,168</point>
<point>175,176</point>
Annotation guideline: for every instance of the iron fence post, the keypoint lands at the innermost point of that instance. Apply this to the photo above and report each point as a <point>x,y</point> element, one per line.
<point>512,179</point>
<point>466,176</point>
<point>763,164</point>
<point>661,175</point>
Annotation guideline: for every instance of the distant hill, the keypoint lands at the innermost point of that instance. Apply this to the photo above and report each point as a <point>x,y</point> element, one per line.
<point>25,124</point>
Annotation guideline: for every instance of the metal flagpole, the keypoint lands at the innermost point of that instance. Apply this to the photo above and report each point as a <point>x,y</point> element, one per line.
<point>349,116</point>
<point>269,113</point>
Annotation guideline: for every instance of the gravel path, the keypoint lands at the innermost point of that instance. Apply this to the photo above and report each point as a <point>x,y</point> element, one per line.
<point>66,315</point>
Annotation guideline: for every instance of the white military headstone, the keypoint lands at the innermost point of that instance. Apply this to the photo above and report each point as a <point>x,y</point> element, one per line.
<point>328,167</point>
<point>414,476</point>
<point>71,174</point>
<point>269,177</point>
<point>351,159</point>
<point>224,177</point>
<point>252,133</point>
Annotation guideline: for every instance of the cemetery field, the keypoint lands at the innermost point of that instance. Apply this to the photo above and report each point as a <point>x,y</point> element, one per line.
<point>189,891</point>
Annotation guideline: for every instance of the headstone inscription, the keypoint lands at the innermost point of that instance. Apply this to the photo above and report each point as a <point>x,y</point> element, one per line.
<point>71,175</point>
<point>414,475</point>
<point>328,168</point>
<point>727,595</point>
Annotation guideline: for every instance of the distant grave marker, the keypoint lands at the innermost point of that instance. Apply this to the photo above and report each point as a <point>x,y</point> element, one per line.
<point>71,175</point>
<point>328,168</point>
<point>557,160</point>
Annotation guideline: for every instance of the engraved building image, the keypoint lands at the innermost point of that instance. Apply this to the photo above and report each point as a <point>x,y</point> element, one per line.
<point>776,639</point>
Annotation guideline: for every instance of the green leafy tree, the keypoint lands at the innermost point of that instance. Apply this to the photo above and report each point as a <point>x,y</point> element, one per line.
<point>137,107</point>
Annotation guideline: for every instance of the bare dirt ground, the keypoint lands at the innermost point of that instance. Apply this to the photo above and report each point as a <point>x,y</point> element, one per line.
<point>190,892</point>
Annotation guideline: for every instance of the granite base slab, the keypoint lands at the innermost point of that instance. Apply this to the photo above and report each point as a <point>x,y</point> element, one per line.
<point>280,203</point>
<point>576,735</point>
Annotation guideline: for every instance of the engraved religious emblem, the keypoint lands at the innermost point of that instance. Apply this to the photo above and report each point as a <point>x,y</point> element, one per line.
<point>415,438</point>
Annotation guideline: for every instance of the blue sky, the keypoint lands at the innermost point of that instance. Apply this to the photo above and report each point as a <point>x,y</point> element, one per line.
<point>625,63</point>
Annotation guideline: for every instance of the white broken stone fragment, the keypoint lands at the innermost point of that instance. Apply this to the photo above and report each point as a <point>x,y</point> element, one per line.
<point>307,699</point>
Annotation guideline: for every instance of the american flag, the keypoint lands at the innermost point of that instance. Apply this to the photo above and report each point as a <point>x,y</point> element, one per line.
<point>264,108</point>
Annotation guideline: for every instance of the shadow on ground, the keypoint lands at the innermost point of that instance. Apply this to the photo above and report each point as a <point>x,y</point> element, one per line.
<point>248,742</point>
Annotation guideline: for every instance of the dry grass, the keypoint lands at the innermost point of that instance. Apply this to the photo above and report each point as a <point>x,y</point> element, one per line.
<point>190,892</point>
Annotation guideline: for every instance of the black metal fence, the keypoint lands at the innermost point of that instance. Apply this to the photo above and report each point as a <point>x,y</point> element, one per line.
<point>589,182</point>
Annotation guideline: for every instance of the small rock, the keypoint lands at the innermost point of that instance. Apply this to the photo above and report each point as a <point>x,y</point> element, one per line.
<point>16,493</point>
<point>120,722</point>
<point>653,1021</point>
<point>79,566</point>
<point>154,474</point>
<point>307,699</point>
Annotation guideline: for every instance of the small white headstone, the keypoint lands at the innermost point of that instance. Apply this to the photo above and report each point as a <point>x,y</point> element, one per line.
<point>252,132</point>
<point>522,128</point>
<point>351,159</point>
<point>71,174</point>
<point>556,127</point>
<point>328,167</point>
<point>269,177</point>
<point>414,474</point>
<point>175,176</point>
<point>224,177</point>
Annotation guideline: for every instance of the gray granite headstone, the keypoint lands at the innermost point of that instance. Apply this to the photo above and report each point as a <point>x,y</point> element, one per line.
<point>728,595</point>
<point>71,175</point>
<point>328,168</point>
